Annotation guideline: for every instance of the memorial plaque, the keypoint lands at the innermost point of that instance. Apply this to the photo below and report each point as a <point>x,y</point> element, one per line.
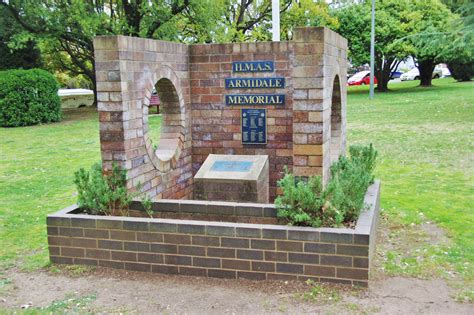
<point>255,83</point>
<point>255,99</point>
<point>253,66</point>
<point>254,126</point>
<point>231,166</point>
<point>242,178</point>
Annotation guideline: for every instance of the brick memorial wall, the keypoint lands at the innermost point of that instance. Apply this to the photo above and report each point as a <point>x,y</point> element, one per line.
<point>281,99</point>
<point>284,101</point>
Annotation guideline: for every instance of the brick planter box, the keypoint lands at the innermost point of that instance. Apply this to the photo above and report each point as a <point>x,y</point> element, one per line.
<point>218,249</point>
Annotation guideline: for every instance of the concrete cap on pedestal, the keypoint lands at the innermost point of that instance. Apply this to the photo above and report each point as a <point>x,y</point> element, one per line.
<point>232,167</point>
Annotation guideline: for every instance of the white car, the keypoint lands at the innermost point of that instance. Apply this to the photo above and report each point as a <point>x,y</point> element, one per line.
<point>75,98</point>
<point>446,73</point>
<point>414,74</point>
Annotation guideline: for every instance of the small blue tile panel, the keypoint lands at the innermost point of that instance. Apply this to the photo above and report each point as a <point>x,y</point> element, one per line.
<point>231,166</point>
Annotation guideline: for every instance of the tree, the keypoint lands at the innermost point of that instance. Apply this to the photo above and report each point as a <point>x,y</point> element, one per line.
<point>67,27</point>
<point>392,23</point>
<point>306,13</point>
<point>246,20</point>
<point>455,5</point>
<point>17,50</point>
<point>459,54</point>
<point>250,20</point>
<point>354,25</point>
<point>432,19</point>
<point>446,37</point>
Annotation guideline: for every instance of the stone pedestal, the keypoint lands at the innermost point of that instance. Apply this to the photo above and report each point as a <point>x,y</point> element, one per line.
<point>241,178</point>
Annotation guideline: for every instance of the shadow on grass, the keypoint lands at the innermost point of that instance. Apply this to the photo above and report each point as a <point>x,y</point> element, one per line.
<point>75,114</point>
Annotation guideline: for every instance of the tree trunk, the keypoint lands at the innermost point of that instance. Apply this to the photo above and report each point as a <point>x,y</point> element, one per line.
<point>133,16</point>
<point>91,76</point>
<point>382,73</point>
<point>94,86</point>
<point>426,68</point>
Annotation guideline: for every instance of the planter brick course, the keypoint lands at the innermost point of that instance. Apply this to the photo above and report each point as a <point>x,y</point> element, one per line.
<point>217,249</point>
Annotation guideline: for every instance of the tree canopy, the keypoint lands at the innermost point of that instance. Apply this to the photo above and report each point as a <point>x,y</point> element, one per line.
<point>67,27</point>
<point>393,21</point>
<point>17,50</point>
<point>64,29</point>
<point>432,19</point>
<point>423,29</point>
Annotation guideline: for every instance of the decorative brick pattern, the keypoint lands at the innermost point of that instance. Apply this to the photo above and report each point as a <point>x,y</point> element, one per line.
<point>305,134</point>
<point>217,249</point>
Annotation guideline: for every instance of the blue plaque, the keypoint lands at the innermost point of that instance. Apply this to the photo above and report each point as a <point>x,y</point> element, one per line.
<point>253,66</point>
<point>254,125</point>
<point>231,166</point>
<point>255,99</point>
<point>255,83</point>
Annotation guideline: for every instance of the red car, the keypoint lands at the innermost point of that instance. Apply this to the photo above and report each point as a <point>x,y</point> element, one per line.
<point>361,78</point>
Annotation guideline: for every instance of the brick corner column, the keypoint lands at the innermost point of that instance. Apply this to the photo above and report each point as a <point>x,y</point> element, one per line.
<point>309,144</point>
<point>109,100</point>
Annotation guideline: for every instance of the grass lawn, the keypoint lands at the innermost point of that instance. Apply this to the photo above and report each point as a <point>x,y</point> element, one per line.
<point>36,178</point>
<point>426,163</point>
<point>424,137</point>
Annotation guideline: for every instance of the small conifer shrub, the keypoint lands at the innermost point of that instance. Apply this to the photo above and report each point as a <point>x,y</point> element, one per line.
<point>103,194</point>
<point>107,194</point>
<point>308,203</point>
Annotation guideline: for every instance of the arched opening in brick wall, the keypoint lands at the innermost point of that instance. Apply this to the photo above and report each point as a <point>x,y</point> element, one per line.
<point>336,120</point>
<point>164,145</point>
<point>154,119</point>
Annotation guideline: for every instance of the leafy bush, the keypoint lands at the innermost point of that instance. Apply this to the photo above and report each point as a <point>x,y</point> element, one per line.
<point>309,204</point>
<point>461,71</point>
<point>103,194</point>
<point>147,203</point>
<point>300,202</point>
<point>106,194</point>
<point>28,97</point>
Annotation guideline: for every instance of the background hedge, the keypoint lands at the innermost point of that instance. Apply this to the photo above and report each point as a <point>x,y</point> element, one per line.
<point>28,97</point>
<point>462,71</point>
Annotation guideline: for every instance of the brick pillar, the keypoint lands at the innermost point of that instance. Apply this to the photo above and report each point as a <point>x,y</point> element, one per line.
<point>127,70</point>
<point>109,96</point>
<point>319,56</point>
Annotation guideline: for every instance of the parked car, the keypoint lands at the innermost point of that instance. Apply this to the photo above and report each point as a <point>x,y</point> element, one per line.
<point>361,78</point>
<point>445,72</point>
<point>414,74</point>
<point>75,98</point>
<point>351,72</point>
<point>395,75</point>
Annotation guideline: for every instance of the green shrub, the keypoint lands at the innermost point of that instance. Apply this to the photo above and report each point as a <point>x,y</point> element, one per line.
<point>147,203</point>
<point>103,194</point>
<point>106,194</point>
<point>28,97</point>
<point>461,71</point>
<point>308,204</point>
<point>300,202</point>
